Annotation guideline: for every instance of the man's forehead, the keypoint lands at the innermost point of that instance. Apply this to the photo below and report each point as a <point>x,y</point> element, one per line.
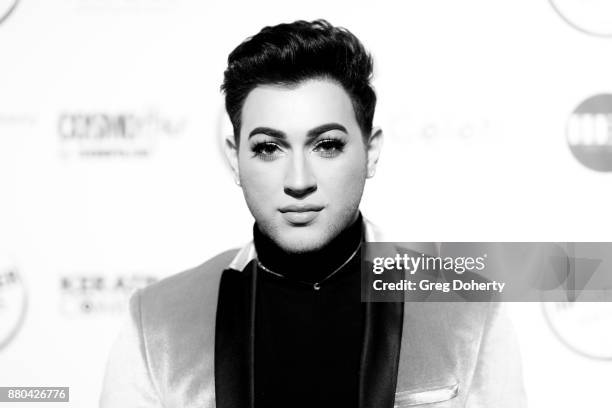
<point>301,106</point>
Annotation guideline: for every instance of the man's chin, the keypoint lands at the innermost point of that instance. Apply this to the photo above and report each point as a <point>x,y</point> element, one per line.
<point>300,240</point>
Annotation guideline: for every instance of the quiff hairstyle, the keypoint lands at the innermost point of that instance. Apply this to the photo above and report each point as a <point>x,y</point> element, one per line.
<point>288,54</point>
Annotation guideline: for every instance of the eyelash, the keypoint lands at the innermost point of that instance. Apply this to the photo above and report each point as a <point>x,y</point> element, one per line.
<point>328,148</point>
<point>259,150</point>
<point>333,147</point>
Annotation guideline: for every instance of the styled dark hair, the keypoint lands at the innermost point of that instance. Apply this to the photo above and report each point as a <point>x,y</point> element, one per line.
<point>288,54</point>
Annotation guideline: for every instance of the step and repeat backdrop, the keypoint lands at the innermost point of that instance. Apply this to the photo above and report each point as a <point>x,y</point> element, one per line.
<point>498,127</point>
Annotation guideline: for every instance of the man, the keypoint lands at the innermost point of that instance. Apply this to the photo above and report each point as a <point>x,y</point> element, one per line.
<point>280,322</point>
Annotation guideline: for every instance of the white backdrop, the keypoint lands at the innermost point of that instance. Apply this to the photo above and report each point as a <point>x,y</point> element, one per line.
<point>111,174</point>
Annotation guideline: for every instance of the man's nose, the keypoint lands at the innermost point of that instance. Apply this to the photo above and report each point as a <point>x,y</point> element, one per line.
<point>299,180</point>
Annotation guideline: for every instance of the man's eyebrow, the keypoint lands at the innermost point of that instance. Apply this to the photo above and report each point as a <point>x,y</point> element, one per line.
<point>312,133</point>
<point>268,131</point>
<point>325,128</point>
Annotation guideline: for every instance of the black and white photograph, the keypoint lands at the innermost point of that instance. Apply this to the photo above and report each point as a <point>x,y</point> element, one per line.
<point>323,204</point>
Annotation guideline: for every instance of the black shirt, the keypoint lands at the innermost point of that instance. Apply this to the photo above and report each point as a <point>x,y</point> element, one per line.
<point>307,341</point>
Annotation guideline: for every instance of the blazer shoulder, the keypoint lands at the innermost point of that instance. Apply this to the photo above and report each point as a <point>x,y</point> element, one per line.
<point>185,293</point>
<point>175,328</point>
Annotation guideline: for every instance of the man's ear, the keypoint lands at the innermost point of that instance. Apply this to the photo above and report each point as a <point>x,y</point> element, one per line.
<point>373,148</point>
<point>231,154</point>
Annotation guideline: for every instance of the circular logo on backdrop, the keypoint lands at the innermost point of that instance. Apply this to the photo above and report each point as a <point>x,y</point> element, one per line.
<point>584,327</point>
<point>592,17</point>
<point>6,8</point>
<point>13,301</point>
<point>589,132</point>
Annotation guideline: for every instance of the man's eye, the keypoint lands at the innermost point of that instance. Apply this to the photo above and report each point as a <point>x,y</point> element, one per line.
<point>329,147</point>
<point>266,150</point>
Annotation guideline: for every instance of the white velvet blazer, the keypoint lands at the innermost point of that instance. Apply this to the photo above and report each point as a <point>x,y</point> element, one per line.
<point>180,349</point>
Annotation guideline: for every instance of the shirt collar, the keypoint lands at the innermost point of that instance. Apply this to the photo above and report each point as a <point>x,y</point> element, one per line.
<point>247,253</point>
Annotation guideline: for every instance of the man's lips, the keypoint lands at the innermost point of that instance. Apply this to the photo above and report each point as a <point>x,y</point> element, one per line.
<point>300,208</point>
<point>301,214</point>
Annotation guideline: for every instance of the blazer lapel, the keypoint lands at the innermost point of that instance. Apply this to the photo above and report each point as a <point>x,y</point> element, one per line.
<point>234,339</point>
<point>380,354</point>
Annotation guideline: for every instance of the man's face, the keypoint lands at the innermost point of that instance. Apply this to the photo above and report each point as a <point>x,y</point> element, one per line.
<point>302,162</point>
